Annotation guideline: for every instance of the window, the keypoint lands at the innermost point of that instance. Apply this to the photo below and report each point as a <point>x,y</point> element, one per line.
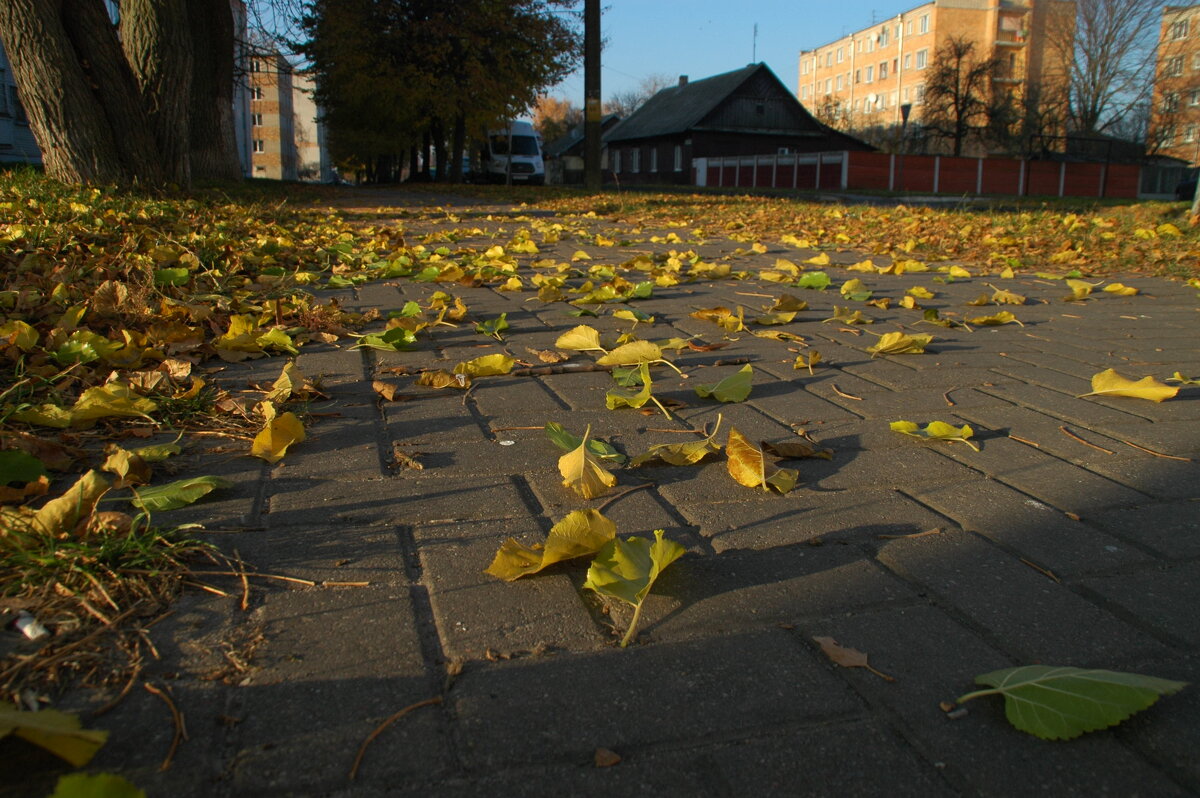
<point>1170,102</point>
<point>841,55</point>
<point>870,44</point>
<point>897,30</point>
<point>256,93</point>
<point>1196,62</point>
<point>256,120</point>
<point>1189,134</point>
<point>895,64</point>
<point>908,28</point>
<point>1166,136</point>
<point>924,26</point>
<point>920,94</point>
<point>907,94</point>
<point>857,105</point>
<point>828,85</point>
<point>3,96</point>
<point>259,145</point>
<point>922,58</point>
<point>804,67</point>
<point>1194,98</point>
<point>1174,67</point>
<point>635,160</point>
<point>18,109</point>
<point>260,168</point>
<point>678,158</point>
<point>256,66</point>
<point>616,161</point>
<point>858,76</point>
<point>829,58</point>
<point>908,60</point>
<point>654,159</point>
<point>883,70</point>
<point>870,74</point>
<point>839,83</point>
<point>804,92</point>
<point>883,37</point>
<point>1179,30</point>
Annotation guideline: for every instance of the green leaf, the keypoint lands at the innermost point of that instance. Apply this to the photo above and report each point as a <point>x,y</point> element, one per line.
<point>394,340</point>
<point>1061,702</point>
<point>627,569</point>
<point>817,281</point>
<point>174,495</point>
<point>98,785</point>
<point>681,454</point>
<point>177,276</point>
<point>567,441</point>
<point>734,388</point>
<point>493,327</point>
<point>582,474</point>
<point>618,397</point>
<point>579,534</point>
<point>936,430</point>
<point>20,467</point>
<point>59,733</point>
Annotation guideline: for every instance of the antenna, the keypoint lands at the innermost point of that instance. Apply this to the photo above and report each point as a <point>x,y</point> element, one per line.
<point>754,49</point>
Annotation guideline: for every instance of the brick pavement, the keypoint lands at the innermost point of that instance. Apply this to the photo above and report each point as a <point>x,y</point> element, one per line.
<point>1051,551</point>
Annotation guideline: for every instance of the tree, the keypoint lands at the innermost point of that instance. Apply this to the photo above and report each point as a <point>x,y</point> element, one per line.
<point>626,102</point>
<point>390,73</point>
<point>554,117</point>
<point>1110,52</point>
<point>958,93</point>
<point>138,100</point>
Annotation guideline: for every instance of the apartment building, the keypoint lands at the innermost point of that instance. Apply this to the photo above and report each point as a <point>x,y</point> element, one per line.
<point>17,144</point>
<point>862,79</point>
<point>1175,115</point>
<point>272,118</point>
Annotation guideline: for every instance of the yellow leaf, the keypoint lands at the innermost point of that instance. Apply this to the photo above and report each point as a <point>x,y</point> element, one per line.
<point>1003,317</point>
<point>289,380</point>
<point>631,354</point>
<point>1120,290</point>
<point>57,732</point>
<point>580,255</point>
<point>897,343</point>
<point>802,362</point>
<point>1003,297</point>
<point>486,366</point>
<point>61,515</point>
<point>111,399</point>
<point>581,338</point>
<point>920,292</point>
<point>959,272</point>
<point>787,303</point>
<point>582,473</point>
<point>443,379</point>
<point>1110,383</point>
<point>280,432</point>
<point>821,259</point>
<point>579,534</point>
<point>909,302</point>
<point>748,466</point>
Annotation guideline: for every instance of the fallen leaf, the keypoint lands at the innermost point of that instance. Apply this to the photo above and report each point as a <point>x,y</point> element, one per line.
<point>1062,702</point>
<point>897,343</point>
<point>734,388</point>
<point>802,362</point>
<point>486,366</point>
<point>385,389</point>
<point>627,570</point>
<point>796,450</point>
<point>936,430</point>
<point>582,338</point>
<point>59,733</point>
<point>62,514</point>
<point>632,354</point>
<point>174,495</point>
<point>605,758</point>
<point>680,454</point>
<point>280,432</point>
<point>847,657</point>
<point>749,467</point>
<point>1110,383</point>
<point>582,474</point>
<point>581,533</point>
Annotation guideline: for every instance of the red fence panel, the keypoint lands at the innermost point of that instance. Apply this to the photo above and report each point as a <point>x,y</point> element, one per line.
<point>1001,176</point>
<point>957,175</point>
<point>1082,180</point>
<point>1122,180</point>
<point>1041,178</point>
<point>914,173</point>
<point>866,170</point>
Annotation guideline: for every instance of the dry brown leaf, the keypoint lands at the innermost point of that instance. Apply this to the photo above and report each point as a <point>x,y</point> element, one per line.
<point>847,657</point>
<point>605,758</point>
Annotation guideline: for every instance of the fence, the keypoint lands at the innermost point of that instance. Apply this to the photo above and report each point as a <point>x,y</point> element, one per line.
<point>929,174</point>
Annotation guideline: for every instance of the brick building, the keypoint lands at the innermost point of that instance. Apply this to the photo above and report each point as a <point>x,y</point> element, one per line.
<point>861,80</point>
<point>1175,116</point>
<point>272,118</point>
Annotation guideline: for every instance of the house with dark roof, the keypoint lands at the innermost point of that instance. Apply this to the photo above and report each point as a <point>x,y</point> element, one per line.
<point>744,112</point>
<point>564,155</point>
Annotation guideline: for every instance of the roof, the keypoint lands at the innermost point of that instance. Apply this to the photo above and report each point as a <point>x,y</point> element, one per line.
<point>680,108</point>
<point>575,135</point>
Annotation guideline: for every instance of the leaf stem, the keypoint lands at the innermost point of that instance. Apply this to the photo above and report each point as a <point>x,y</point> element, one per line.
<point>977,694</point>
<point>629,633</point>
<point>660,406</point>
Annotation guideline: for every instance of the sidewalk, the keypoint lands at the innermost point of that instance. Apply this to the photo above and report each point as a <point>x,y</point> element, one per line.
<point>1050,551</point>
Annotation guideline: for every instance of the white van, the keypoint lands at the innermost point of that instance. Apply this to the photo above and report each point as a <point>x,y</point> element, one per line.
<point>527,166</point>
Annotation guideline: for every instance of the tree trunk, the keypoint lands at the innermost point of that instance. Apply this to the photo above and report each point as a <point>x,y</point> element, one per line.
<point>78,91</point>
<point>154,35</point>
<point>426,152</point>
<point>457,144</point>
<point>210,114</point>
<point>414,163</point>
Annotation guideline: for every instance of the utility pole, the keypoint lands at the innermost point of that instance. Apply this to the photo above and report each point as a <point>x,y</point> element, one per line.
<point>591,94</point>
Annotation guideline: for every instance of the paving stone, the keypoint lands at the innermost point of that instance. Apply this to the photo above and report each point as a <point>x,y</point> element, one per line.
<point>311,705</point>
<point>499,398</point>
<point>1151,595</point>
<point>401,499</point>
<point>1059,405</point>
<point>336,554</point>
<point>1177,438</point>
<point>1029,527</point>
<point>1031,616</point>
<point>442,417</point>
<point>1169,528</point>
<point>477,613</point>
<point>529,710</point>
<point>933,659</point>
<point>734,591</point>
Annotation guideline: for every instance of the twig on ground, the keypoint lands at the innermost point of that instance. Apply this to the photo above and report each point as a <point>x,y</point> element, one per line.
<point>362,749</point>
<point>176,719</point>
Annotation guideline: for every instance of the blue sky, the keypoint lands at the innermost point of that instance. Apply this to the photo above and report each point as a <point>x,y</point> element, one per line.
<point>700,38</point>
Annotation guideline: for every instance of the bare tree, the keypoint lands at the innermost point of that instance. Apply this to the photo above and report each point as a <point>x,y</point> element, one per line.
<point>626,102</point>
<point>1110,52</point>
<point>959,101</point>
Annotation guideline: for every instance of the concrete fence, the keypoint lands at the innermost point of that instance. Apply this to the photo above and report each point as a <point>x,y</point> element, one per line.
<point>926,174</point>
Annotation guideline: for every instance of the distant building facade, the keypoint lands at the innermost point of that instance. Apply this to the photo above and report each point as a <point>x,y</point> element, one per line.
<point>312,154</point>
<point>272,117</point>
<point>17,144</point>
<point>862,79</point>
<point>1175,111</point>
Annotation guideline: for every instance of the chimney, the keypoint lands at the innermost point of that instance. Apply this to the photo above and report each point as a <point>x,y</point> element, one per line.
<point>683,80</point>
